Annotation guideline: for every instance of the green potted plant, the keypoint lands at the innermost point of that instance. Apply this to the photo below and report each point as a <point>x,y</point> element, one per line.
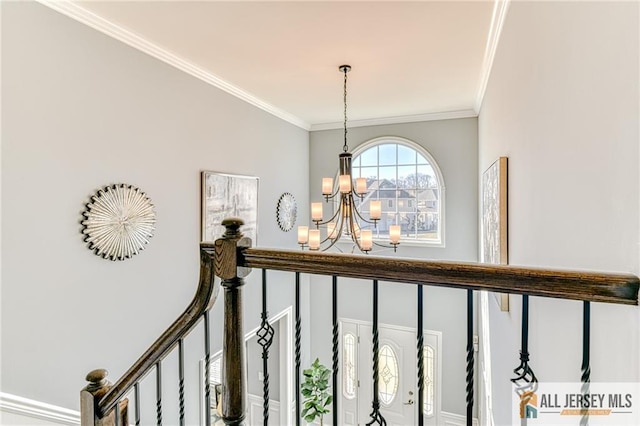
<point>315,391</point>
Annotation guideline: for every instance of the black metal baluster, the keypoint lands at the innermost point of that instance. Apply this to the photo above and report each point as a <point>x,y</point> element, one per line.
<point>420,351</point>
<point>181,379</point>
<point>136,392</point>
<point>207,371</point>
<point>334,296</point>
<point>470,369</point>
<point>586,349</point>
<point>298,345</point>
<point>525,381</point>
<point>265,339</point>
<point>376,416</point>
<point>158,394</point>
<point>117,413</point>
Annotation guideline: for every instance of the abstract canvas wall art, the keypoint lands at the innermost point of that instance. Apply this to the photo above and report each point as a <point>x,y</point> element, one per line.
<point>224,196</point>
<point>494,242</point>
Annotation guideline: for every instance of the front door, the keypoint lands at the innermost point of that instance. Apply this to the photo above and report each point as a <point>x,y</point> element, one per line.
<point>397,377</point>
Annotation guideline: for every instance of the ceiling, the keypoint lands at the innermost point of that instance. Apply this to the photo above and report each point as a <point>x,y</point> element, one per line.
<point>411,60</point>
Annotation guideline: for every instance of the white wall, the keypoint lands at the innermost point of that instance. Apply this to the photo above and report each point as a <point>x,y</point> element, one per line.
<point>80,111</point>
<point>453,144</point>
<point>562,103</point>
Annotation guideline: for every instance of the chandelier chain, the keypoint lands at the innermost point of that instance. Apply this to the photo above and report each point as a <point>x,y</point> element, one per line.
<point>345,148</point>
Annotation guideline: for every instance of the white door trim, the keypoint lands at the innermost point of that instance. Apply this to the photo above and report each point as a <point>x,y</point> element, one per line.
<point>434,333</point>
<point>284,320</point>
<point>287,396</point>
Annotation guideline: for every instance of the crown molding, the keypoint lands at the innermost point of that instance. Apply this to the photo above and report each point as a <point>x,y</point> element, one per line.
<point>467,113</point>
<point>500,8</point>
<point>82,15</point>
<point>39,410</point>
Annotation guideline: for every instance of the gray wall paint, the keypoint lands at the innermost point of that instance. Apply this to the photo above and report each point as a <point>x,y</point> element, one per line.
<point>79,111</point>
<point>563,104</point>
<point>453,144</point>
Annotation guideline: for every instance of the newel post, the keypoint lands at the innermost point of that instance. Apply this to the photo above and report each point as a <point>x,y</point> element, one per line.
<point>233,360</point>
<point>90,397</point>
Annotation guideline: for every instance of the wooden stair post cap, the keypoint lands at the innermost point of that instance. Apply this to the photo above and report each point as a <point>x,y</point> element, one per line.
<point>232,224</point>
<point>98,376</point>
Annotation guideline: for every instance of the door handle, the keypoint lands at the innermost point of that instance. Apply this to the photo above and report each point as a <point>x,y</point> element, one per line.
<point>409,402</point>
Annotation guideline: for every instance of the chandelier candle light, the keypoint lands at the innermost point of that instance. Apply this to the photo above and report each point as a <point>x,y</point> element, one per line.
<point>345,220</point>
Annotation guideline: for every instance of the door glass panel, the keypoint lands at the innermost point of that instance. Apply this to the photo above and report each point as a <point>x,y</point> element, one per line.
<point>387,375</point>
<point>429,371</point>
<point>349,365</point>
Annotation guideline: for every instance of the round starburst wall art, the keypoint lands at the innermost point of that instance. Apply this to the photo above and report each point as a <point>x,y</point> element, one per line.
<point>286,212</point>
<point>118,222</point>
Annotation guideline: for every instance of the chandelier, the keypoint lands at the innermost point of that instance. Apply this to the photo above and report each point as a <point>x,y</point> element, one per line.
<point>347,218</point>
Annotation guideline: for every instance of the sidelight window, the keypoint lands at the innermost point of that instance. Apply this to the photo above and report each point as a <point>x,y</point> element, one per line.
<point>349,366</point>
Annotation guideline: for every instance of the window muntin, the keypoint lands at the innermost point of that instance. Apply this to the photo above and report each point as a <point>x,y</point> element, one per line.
<point>409,183</point>
<point>388,375</point>
<point>349,366</point>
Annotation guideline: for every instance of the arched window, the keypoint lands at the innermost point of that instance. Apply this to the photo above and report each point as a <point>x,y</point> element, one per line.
<point>406,178</point>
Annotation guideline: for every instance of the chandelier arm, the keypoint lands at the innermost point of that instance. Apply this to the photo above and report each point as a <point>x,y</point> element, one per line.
<point>363,219</point>
<point>354,237</point>
<point>389,246</point>
<point>320,222</point>
<point>355,193</point>
<point>332,196</point>
<point>338,235</point>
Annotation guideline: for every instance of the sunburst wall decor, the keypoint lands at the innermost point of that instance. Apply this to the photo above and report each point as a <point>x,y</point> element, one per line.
<point>286,212</point>
<point>118,222</point>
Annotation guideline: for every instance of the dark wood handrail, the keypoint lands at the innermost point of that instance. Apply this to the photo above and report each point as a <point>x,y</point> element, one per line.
<point>563,284</point>
<point>204,299</point>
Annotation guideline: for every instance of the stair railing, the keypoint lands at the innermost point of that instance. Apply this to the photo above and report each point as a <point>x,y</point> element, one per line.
<point>103,403</point>
<point>469,277</point>
<point>231,258</point>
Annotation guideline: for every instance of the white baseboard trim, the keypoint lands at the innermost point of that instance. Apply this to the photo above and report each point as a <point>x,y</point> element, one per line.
<point>450,419</point>
<point>39,410</point>
<point>63,416</point>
